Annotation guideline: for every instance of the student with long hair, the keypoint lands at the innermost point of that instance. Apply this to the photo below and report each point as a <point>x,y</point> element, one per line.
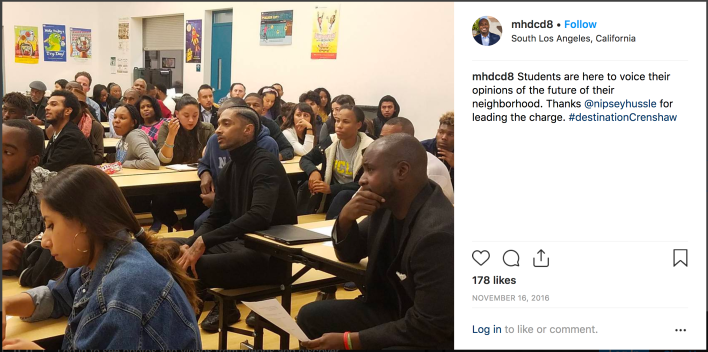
<point>115,94</point>
<point>134,150</point>
<point>151,115</point>
<point>313,100</point>
<point>299,130</point>
<point>325,103</point>
<point>100,96</point>
<point>181,141</point>
<point>271,102</point>
<point>118,293</point>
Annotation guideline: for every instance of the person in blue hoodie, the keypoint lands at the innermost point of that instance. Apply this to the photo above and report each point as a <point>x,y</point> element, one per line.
<point>214,159</point>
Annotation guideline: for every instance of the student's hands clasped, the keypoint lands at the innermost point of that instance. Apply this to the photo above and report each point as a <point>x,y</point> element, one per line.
<point>207,187</point>
<point>190,256</point>
<point>12,254</point>
<point>302,125</point>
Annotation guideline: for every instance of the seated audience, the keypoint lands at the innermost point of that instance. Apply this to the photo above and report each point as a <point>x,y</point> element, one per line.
<point>285,111</point>
<point>181,140</point>
<point>388,108</point>
<point>298,129</point>
<point>73,85</point>
<point>313,100</point>
<point>436,169</point>
<point>324,104</point>
<point>22,179</point>
<point>408,238</point>
<point>151,116</point>
<point>328,127</point>
<point>84,78</point>
<point>130,96</point>
<point>38,102</point>
<point>215,159</point>
<point>254,193</point>
<point>237,90</point>
<point>135,150</point>
<point>115,94</point>
<point>279,88</point>
<point>167,102</point>
<point>443,145</point>
<point>271,102</point>
<point>67,145</point>
<point>341,163</point>
<point>92,129</point>
<point>118,293</point>
<point>15,106</point>
<point>60,84</point>
<point>100,95</point>
<point>140,86</point>
<point>255,102</point>
<point>207,109</point>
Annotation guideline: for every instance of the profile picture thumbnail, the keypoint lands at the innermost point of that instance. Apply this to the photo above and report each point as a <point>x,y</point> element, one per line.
<point>487,31</point>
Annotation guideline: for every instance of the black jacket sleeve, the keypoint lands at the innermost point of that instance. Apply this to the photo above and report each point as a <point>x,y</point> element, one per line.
<point>430,321</point>
<point>266,187</point>
<point>64,154</point>
<point>309,161</point>
<point>353,247</point>
<point>284,147</point>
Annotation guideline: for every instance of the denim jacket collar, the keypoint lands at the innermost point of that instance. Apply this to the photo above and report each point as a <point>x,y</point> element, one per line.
<point>110,253</point>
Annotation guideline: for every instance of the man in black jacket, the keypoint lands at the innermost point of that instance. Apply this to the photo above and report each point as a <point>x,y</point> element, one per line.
<point>388,108</point>
<point>253,194</point>
<point>67,146</point>
<point>408,237</point>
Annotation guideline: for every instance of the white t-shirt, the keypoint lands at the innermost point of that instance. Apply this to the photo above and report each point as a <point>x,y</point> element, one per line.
<point>299,149</point>
<point>438,173</point>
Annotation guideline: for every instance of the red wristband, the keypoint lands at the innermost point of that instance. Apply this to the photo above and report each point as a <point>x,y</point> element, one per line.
<point>346,344</point>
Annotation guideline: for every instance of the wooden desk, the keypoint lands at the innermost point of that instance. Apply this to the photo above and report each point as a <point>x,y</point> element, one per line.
<point>293,169</point>
<point>295,160</point>
<point>134,172</point>
<point>106,125</point>
<point>157,183</point>
<point>17,328</point>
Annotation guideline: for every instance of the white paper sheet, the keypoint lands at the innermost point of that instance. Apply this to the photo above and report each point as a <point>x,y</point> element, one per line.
<point>181,167</point>
<point>272,311</point>
<point>327,230</point>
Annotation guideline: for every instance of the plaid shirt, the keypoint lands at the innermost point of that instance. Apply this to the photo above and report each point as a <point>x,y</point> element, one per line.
<point>153,130</point>
<point>23,221</point>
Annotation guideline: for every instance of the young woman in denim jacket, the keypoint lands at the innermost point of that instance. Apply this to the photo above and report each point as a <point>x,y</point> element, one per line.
<point>118,293</point>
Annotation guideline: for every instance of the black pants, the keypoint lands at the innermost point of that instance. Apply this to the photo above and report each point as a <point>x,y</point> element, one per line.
<point>320,317</point>
<point>231,265</point>
<point>163,207</point>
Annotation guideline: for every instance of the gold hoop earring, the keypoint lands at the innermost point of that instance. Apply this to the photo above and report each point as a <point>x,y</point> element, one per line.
<point>85,251</point>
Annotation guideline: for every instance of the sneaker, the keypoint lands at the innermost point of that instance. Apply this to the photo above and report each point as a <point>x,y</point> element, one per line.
<point>211,322</point>
<point>251,319</point>
<point>350,286</point>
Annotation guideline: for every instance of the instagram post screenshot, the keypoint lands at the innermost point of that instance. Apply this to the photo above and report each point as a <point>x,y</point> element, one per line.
<point>583,224</point>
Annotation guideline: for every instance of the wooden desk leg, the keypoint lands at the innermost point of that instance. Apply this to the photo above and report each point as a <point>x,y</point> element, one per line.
<point>222,323</point>
<point>288,288</point>
<point>258,334</point>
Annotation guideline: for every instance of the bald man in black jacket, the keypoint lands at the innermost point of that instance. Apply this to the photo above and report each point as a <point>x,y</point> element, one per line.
<point>407,298</point>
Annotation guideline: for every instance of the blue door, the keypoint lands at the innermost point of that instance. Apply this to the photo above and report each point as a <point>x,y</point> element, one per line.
<point>221,54</point>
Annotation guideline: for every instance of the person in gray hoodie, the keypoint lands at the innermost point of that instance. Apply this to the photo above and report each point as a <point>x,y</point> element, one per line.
<point>134,150</point>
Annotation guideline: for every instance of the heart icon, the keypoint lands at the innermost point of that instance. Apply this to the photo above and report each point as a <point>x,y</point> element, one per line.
<point>480,257</point>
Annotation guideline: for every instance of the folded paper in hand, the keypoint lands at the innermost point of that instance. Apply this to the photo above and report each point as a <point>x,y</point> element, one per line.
<point>272,311</point>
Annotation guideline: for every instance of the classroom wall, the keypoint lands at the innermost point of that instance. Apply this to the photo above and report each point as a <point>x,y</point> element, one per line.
<point>18,76</point>
<point>401,49</point>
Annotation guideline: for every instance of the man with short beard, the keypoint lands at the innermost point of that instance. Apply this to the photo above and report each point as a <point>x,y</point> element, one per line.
<point>22,179</point>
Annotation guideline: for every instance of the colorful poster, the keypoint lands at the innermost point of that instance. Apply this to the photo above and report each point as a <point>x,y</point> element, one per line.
<point>54,42</point>
<point>80,43</point>
<point>325,32</point>
<point>26,50</point>
<point>276,28</point>
<point>123,35</point>
<point>193,41</point>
